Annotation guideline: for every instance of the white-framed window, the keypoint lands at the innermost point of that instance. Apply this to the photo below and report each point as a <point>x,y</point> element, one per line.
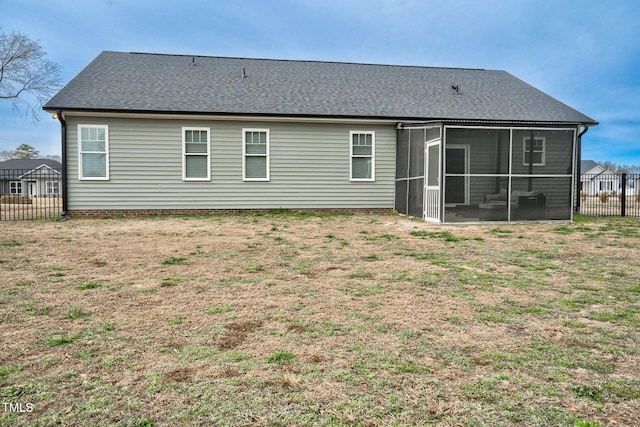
<point>538,151</point>
<point>15,187</point>
<point>196,150</point>
<point>93,152</point>
<point>52,187</point>
<point>363,155</point>
<point>255,155</point>
<point>606,185</point>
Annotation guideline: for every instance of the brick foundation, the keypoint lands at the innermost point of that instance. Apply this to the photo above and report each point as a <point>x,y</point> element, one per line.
<point>168,212</point>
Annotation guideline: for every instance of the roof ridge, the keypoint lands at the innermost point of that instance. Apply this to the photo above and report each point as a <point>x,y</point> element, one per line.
<point>302,60</point>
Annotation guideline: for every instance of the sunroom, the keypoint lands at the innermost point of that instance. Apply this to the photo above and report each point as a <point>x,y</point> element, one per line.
<point>476,173</point>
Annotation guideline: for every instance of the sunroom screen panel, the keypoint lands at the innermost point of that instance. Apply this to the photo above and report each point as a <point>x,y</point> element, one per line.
<point>416,197</point>
<point>401,197</point>
<point>402,154</point>
<point>552,152</point>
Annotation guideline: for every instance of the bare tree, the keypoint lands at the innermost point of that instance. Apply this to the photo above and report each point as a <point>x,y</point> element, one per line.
<point>27,79</point>
<point>56,157</point>
<point>616,168</point>
<point>610,166</point>
<point>628,169</point>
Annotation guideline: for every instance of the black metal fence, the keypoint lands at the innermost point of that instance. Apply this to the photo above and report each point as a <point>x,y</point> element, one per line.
<point>609,195</point>
<point>30,193</point>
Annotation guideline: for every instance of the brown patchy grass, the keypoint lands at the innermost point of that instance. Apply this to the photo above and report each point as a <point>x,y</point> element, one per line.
<point>297,319</point>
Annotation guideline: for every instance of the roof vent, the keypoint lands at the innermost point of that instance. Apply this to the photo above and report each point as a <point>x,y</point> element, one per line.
<point>456,88</point>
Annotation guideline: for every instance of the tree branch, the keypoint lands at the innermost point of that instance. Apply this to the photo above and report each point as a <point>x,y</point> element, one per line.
<point>26,78</point>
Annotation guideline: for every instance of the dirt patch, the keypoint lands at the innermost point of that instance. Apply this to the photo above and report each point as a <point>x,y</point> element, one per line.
<point>179,375</point>
<point>236,333</point>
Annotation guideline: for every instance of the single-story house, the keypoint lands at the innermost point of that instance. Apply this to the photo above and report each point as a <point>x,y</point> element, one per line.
<point>173,133</point>
<point>596,179</point>
<point>31,178</point>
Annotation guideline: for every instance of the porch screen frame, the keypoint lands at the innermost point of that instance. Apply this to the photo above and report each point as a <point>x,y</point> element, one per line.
<point>510,175</point>
<point>415,174</point>
<point>467,165</point>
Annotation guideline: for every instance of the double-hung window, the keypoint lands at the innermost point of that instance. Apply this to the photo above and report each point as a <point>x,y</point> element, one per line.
<point>255,154</point>
<point>535,156</point>
<point>15,187</point>
<point>606,185</point>
<point>53,187</point>
<point>196,151</point>
<point>363,156</point>
<point>93,152</point>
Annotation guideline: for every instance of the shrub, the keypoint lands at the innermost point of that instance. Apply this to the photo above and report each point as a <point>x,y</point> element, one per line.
<point>604,197</point>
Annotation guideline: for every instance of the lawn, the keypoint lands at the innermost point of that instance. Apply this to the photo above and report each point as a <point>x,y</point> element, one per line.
<point>287,319</point>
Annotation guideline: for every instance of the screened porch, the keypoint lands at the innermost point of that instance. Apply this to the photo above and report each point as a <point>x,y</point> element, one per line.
<point>453,173</point>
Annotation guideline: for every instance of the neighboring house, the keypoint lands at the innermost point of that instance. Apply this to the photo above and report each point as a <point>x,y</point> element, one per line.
<point>31,178</point>
<point>171,133</point>
<point>633,185</point>
<point>595,179</point>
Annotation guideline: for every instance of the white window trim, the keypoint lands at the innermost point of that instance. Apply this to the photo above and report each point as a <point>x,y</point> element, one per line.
<point>105,152</point>
<point>525,151</point>
<point>184,154</point>
<point>53,186</point>
<point>606,185</point>
<point>18,187</point>
<point>352,156</point>
<point>245,155</point>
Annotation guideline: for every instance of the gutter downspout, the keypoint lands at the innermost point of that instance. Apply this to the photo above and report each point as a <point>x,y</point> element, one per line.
<point>577,169</point>
<point>63,134</point>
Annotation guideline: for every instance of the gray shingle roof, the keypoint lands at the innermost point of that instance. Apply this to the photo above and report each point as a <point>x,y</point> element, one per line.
<point>587,165</point>
<point>14,169</point>
<point>144,82</point>
<point>28,164</point>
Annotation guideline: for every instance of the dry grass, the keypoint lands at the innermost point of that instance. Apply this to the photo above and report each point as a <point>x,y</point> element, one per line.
<point>286,319</point>
<point>29,208</point>
<point>606,204</point>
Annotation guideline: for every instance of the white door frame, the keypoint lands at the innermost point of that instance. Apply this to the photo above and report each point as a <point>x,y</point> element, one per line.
<point>32,188</point>
<point>432,190</point>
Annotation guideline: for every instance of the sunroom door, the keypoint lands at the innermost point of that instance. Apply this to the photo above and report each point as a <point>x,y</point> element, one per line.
<point>432,182</point>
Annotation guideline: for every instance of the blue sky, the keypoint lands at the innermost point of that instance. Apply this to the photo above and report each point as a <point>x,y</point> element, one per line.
<point>586,53</point>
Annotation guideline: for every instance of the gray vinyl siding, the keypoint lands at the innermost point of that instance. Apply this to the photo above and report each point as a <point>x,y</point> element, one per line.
<point>5,187</point>
<point>309,167</point>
